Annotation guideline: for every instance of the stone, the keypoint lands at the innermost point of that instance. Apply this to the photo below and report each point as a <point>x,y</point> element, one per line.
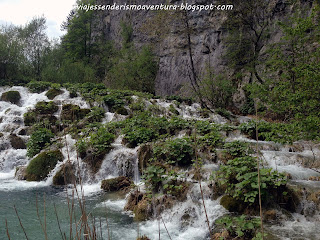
<point>21,172</point>
<point>11,96</point>
<point>17,142</point>
<point>66,175</point>
<point>116,184</point>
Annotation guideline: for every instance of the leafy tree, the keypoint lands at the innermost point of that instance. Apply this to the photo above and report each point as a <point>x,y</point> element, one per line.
<point>11,55</point>
<point>36,45</point>
<point>292,93</point>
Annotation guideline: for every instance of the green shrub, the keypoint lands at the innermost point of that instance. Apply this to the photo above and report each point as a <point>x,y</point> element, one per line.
<point>240,176</point>
<point>177,151</point>
<point>29,118</point>
<point>139,135</point>
<point>39,139</point>
<point>96,114</point>
<point>241,227</point>
<point>11,96</point>
<point>53,92</point>
<point>42,165</point>
<point>73,112</point>
<point>46,107</point>
<point>99,142</point>
<point>38,87</point>
<point>153,177</point>
<point>277,132</point>
<point>237,148</point>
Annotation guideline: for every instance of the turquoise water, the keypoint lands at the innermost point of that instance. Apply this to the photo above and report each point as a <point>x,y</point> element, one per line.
<point>97,205</point>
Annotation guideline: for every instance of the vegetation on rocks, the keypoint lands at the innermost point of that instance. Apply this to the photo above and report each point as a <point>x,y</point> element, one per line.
<point>40,166</point>
<point>11,96</point>
<point>39,139</point>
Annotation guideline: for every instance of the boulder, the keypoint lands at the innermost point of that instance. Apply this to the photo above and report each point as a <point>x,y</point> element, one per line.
<point>116,184</point>
<point>17,142</point>
<point>52,93</point>
<point>11,96</point>
<point>21,172</point>
<point>66,175</point>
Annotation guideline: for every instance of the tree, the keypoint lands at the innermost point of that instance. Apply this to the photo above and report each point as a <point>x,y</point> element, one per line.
<point>292,93</point>
<point>248,27</point>
<point>11,53</point>
<point>35,45</point>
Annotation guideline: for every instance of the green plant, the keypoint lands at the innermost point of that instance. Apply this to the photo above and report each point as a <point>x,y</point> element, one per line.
<point>240,176</point>
<point>176,151</point>
<point>39,139</point>
<point>237,148</point>
<point>46,107</point>
<point>96,114</point>
<point>38,87</point>
<point>153,177</point>
<point>241,227</point>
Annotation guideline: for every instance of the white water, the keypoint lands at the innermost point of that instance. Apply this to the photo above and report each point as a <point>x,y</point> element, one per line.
<point>123,161</point>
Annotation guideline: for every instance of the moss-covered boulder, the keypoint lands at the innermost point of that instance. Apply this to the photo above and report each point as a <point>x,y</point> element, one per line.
<point>17,142</point>
<point>52,93</point>
<point>40,166</point>
<point>46,108</point>
<point>11,96</point>
<point>66,175</point>
<point>138,203</point>
<point>73,112</point>
<point>116,184</point>
<point>232,204</point>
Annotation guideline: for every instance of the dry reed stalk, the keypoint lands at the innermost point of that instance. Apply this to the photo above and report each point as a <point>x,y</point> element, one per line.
<point>109,238</point>
<point>198,167</point>
<point>24,231</point>
<point>258,169</point>
<point>166,228</point>
<point>56,213</point>
<point>7,230</point>
<point>37,207</point>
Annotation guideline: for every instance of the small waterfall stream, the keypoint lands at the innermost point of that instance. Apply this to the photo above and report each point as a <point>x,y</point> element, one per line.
<point>184,221</point>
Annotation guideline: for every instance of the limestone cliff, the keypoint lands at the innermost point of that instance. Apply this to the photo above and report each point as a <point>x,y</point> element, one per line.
<point>207,37</point>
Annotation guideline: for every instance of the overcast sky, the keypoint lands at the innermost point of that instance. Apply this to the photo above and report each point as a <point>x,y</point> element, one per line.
<point>19,12</point>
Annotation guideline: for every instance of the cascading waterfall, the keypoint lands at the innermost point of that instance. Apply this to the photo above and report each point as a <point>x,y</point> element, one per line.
<point>185,220</point>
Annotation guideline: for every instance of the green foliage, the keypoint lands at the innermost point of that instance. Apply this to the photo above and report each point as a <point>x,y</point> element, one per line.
<point>38,87</point>
<point>73,112</point>
<point>46,107</point>
<point>154,176</point>
<point>53,92</point>
<point>291,93</point>
<point>11,96</point>
<point>42,165</point>
<point>96,114</point>
<point>237,148</point>
<point>176,151</point>
<point>216,90</point>
<point>277,132</point>
<point>134,70</point>
<point>39,139</point>
<point>99,142</point>
<point>241,226</point>
<point>240,176</point>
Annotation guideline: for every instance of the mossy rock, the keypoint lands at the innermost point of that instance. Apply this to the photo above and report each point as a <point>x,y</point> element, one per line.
<point>73,112</point>
<point>17,142</point>
<point>138,203</point>
<point>40,166</point>
<point>116,184</point>
<point>121,110</point>
<point>29,118</point>
<point>11,96</point>
<point>94,161</point>
<point>66,175</point>
<point>46,108</point>
<point>231,204</point>
<point>52,93</point>
<point>22,132</point>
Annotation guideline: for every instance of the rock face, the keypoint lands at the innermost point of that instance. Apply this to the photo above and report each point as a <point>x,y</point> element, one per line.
<point>208,39</point>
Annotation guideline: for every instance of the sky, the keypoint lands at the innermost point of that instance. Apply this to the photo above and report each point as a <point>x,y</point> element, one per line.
<point>19,12</point>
